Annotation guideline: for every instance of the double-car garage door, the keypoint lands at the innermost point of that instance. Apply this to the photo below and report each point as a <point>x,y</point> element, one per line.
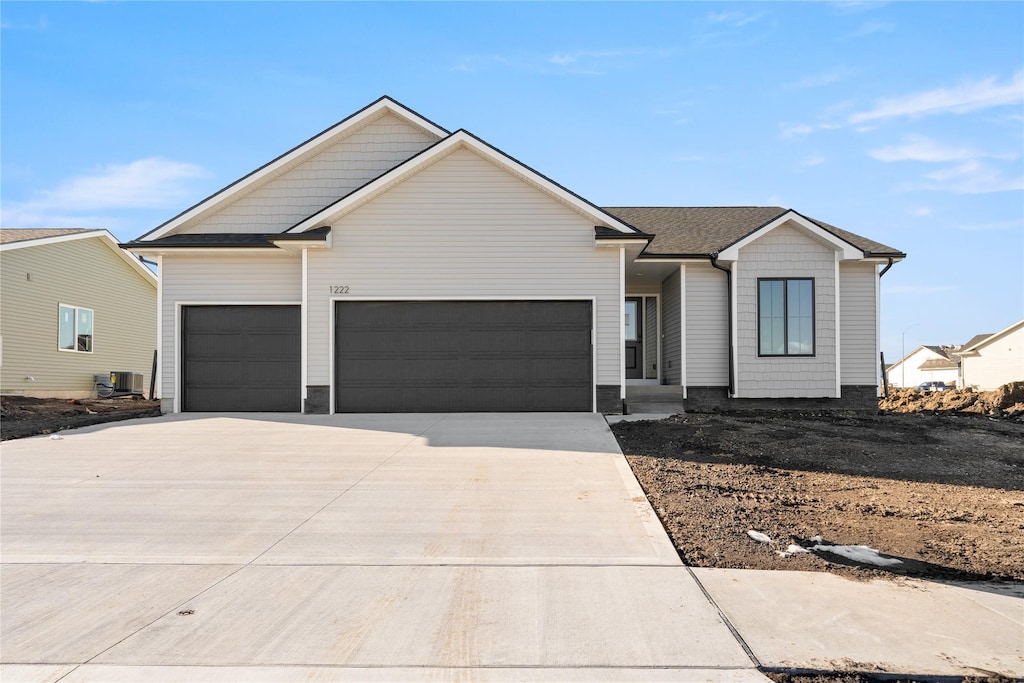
<point>395,356</point>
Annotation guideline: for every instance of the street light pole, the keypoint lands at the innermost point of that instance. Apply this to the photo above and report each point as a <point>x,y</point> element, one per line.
<point>903,353</point>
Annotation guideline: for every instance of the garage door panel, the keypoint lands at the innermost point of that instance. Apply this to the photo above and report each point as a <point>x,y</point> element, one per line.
<point>459,356</point>
<point>241,358</point>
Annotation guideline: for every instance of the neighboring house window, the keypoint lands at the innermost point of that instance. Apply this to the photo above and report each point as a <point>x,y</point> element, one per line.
<point>785,316</point>
<point>75,329</point>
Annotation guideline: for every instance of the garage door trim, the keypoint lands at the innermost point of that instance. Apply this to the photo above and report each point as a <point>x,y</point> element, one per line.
<point>593,328</point>
<point>178,331</point>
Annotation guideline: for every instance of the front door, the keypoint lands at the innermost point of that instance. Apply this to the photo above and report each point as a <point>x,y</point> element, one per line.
<point>634,326</point>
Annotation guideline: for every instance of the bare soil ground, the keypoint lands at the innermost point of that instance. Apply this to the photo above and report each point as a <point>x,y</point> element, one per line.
<point>943,493</point>
<point>21,416</point>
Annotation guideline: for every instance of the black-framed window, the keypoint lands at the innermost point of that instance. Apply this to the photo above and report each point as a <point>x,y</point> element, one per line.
<point>74,328</point>
<point>785,316</point>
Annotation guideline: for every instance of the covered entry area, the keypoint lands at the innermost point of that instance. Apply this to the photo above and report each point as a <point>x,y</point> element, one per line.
<point>241,358</point>
<point>463,356</point>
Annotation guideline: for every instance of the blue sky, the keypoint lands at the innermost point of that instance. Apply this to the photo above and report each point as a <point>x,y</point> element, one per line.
<point>903,122</point>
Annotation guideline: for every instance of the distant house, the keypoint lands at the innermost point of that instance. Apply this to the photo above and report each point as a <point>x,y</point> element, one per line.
<point>990,361</point>
<point>73,304</point>
<point>924,364</point>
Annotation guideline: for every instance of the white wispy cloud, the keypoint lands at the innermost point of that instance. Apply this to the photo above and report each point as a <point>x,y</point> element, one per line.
<point>40,25</point>
<point>961,99</point>
<point>791,131</point>
<point>922,211</point>
<point>733,28</point>
<point>592,62</point>
<point>813,160</point>
<point>857,6</point>
<point>919,289</point>
<point>991,226</point>
<point>818,80</point>
<point>734,17</point>
<point>142,184</point>
<point>971,177</point>
<point>920,148</point>
<point>871,27</point>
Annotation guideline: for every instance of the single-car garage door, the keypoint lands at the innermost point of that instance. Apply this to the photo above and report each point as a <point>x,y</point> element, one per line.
<point>241,358</point>
<point>463,356</point>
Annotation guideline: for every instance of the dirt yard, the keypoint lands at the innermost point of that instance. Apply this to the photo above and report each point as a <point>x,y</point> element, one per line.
<point>937,495</point>
<point>21,416</point>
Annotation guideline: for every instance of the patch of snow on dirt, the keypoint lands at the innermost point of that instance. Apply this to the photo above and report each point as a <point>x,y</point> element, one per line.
<point>759,537</point>
<point>858,553</point>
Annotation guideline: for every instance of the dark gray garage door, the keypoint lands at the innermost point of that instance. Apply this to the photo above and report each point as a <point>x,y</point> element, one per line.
<point>241,358</point>
<point>463,356</point>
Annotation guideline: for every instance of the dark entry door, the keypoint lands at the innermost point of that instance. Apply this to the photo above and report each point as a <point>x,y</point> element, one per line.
<point>634,330</point>
<point>241,358</point>
<point>463,356</point>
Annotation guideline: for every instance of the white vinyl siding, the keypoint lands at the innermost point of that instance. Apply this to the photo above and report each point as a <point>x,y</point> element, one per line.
<point>859,361</point>
<point>997,363</point>
<point>464,228</point>
<point>670,329</point>
<point>320,179</point>
<point>82,274</point>
<point>707,327</point>
<point>786,252</point>
<point>222,279</point>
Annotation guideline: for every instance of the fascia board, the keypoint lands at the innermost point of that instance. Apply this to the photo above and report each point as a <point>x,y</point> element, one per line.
<point>40,241</point>
<point>455,141</point>
<point>192,251</point>
<point>848,252</point>
<point>375,109</point>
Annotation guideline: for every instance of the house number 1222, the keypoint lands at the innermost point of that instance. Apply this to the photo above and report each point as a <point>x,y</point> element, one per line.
<point>339,289</point>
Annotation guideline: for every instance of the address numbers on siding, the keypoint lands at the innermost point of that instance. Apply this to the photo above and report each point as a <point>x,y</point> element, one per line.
<point>339,289</point>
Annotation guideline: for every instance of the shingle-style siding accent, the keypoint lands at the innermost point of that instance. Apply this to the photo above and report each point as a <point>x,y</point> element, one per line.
<point>707,327</point>
<point>997,363</point>
<point>315,182</point>
<point>858,358</point>
<point>222,279</point>
<point>786,252</point>
<point>464,228</point>
<point>85,273</point>
<point>671,329</point>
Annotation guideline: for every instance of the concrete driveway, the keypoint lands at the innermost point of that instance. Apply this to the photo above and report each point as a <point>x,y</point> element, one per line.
<point>371,547</point>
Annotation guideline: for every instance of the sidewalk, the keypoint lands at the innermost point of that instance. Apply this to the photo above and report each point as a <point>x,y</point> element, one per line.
<point>822,622</point>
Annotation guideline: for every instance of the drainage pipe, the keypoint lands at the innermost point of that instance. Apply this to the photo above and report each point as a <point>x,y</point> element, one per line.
<point>728,299</point>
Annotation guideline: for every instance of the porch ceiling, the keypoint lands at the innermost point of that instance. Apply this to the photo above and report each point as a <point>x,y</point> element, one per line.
<point>647,272</point>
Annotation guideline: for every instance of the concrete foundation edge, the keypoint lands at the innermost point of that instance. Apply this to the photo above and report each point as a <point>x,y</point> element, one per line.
<point>853,397</point>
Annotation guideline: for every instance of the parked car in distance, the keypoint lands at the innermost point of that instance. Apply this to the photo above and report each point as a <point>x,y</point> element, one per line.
<point>935,386</point>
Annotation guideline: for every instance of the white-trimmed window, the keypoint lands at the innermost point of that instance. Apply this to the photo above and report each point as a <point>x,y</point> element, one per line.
<point>785,316</point>
<point>74,328</point>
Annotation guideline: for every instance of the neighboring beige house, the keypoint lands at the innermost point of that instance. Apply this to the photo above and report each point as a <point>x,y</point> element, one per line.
<point>390,265</point>
<point>924,364</point>
<point>994,360</point>
<point>73,304</point>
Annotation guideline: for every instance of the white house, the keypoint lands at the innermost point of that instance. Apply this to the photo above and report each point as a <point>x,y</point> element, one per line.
<point>387,264</point>
<point>925,364</point>
<point>995,360</point>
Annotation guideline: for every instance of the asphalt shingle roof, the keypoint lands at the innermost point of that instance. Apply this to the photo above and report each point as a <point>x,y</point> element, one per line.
<point>704,230</point>
<point>10,235</point>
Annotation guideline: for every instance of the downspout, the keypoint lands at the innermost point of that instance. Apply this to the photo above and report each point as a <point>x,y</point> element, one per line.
<point>886,269</point>
<point>728,299</point>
